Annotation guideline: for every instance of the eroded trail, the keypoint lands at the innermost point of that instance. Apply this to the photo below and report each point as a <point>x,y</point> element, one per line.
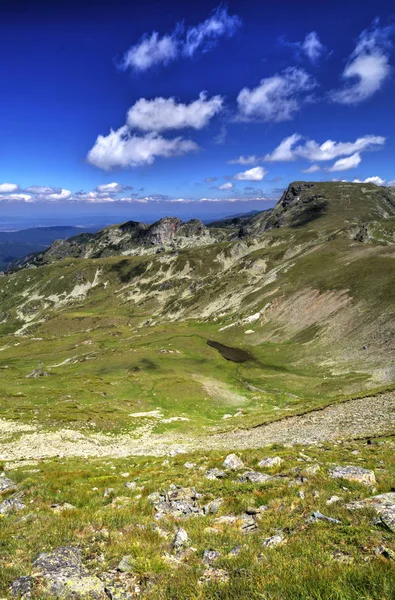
<point>371,416</point>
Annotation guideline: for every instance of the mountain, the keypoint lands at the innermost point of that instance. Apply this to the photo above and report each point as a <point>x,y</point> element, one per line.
<point>15,245</point>
<point>284,310</point>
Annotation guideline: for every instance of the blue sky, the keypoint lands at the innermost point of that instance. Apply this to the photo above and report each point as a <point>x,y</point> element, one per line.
<point>147,106</point>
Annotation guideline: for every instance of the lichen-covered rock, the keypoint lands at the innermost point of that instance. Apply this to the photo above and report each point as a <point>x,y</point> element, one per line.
<point>351,473</point>
<point>211,508</point>
<point>383,505</point>
<point>268,463</point>
<point>254,477</point>
<point>6,484</point>
<point>181,540</point>
<point>125,564</point>
<point>274,540</point>
<point>11,504</point>
<point>210,556</point>
<point>233,462</point>
<point>177,501</point>
<point>62,575</point>
<point>22,587</point>
<point>215,473</point>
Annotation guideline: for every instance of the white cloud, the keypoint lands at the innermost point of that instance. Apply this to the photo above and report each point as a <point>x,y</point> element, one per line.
<point>312,46</point>
<point>17,198</point>
<point>151,50</point>
<point>254,174</point>
<point>154,49</point>
<point>376,180</point>
<point>40,189</point>
<point>63,194</point>
<point>284,151</point>
<point>276,98</point>
<point>245,160</point>
<point>8,188</point>
<point>368,66</point>
<point>312,169</point>
<point>160,114</point>
<point>391,183</point>
<point>225,186</point>
<point>329,150</point>
<point>343,164</point>
<point>205,35</point>
<point>122,149</point>
<point>112,188</point>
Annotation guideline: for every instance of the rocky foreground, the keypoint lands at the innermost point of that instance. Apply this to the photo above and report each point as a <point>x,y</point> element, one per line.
<point>203,526</point>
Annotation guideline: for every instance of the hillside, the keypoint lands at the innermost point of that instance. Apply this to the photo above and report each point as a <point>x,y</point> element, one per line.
<point>134,359</point>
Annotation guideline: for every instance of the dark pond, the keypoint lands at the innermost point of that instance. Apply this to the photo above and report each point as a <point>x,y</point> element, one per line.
<point>234,354</point>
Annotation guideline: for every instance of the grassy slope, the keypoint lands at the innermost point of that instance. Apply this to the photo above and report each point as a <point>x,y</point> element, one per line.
<point>303,568</point>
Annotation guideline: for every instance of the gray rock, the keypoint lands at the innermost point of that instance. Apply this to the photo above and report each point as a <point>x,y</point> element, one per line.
<point>275,540</point>
<point>213,507</point>
<point>318,516</point>
<point>131,485</point>
<point>248,523</point>
<point>383,505</point>
<point>351,473</point>
<point>235,551</point>
<point>254,477</point>
<point>22,587</point>
<point>233,462</point>
<point>11,504</point>
<point>386,552</point>
<point>6,485</point>
<point>181,540</point>
<point>214,474</point>
<point>125,564</point>
<point>210,556</point>
<point>63,576</point>
<point>108,492</point>
<point>268,463</point>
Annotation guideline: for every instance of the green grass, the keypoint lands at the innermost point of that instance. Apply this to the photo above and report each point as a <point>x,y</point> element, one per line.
<point>301,568</point>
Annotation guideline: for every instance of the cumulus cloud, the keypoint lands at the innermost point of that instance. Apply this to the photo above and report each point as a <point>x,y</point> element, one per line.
<point>154,49</point>
<point>254,174</point>
<point>16,198</point>
<point>60,195</point>
<point>111,188</point>
<point>312,169</point>
<point>391,183</point>
<point>368,66</point>
<point>160,114</point>
<point>122,149</point>
<point>329,150</point>
<point>343,164</point>
<point>376,180</point>
<point>225,186</point>
<point>8,188</point>
<point>276,98</point>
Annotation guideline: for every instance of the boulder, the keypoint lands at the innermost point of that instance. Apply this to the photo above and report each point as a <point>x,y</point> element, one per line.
<point>210,556</point>
<point>233,462</point>
<point>383,505</point>
<point>214,474</point>
<point>351,473</point>
<point>268,463</point>
<point>63,576</point>
<point>10,504</point>
<point>181,540</point>
<point>6,485</point>
<point>254,477</point>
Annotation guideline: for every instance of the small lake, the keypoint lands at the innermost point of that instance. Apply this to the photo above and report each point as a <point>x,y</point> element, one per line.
<point>233,354</point>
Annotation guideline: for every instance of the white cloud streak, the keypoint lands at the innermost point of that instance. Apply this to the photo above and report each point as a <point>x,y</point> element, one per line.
<point>276,98</point>
<point>368,66</point>
<point>154,49</point>
<point>288,150</point>
<point>344,164</point>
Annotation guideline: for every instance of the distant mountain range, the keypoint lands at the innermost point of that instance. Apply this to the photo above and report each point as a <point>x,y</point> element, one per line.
<point>17,244</point>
